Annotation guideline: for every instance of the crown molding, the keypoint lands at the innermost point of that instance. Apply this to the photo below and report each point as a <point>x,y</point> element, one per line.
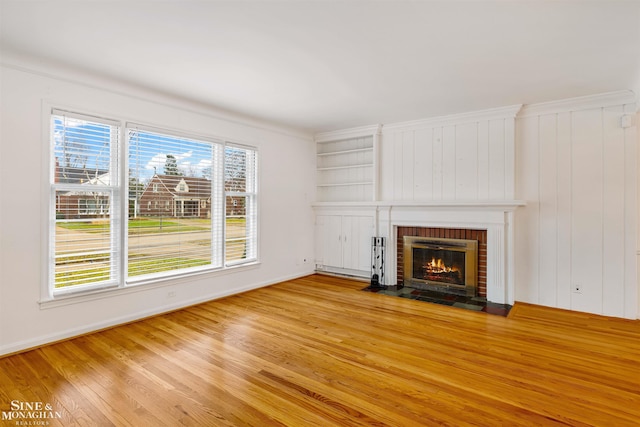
<point>588,102</point>
<point>508,112</point>
<point>65,73</point>
<point>356,132</point>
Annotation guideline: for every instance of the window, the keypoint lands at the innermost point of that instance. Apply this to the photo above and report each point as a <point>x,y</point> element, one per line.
<point>84,193</point>
<point>241,209</point>
<point>186,238</point>
<point>107,233</point>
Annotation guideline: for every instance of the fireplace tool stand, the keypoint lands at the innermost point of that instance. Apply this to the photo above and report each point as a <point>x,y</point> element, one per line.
<point>377,262</point>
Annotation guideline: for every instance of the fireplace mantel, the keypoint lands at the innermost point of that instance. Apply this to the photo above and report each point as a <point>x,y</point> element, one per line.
<point>494,216</point>
<point>502,205</point>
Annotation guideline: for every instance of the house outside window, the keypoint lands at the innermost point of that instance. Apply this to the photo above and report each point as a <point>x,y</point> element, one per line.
<point>93,206</point>
<point>200,215</point>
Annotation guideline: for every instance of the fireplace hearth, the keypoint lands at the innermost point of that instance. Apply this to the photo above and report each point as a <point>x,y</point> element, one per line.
<point>440,264</point>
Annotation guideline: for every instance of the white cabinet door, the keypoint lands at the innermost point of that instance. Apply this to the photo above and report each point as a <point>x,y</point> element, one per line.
<point>334,235</point>
<point>344,242</point>
<point>357,232</point>
<point>329,240</point>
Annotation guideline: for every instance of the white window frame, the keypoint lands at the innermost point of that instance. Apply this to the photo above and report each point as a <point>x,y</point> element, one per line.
<point>251,207</point>
<point>113,189</point>
<point>119,213</point>
<point>217,251</point>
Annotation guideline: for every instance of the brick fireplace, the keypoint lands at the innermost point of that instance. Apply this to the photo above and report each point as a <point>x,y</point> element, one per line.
<point>489,223</point>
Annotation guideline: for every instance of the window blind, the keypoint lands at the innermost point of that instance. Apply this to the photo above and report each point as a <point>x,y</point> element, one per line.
<point>175,216</point>
<point>240,182</point>
<point>84,197</point>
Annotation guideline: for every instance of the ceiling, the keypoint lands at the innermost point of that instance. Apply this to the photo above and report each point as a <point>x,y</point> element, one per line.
<point>327,65</point>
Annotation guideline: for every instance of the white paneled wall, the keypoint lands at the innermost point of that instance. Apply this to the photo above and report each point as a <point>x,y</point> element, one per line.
<point>467,157</point>
<point>576,238</point>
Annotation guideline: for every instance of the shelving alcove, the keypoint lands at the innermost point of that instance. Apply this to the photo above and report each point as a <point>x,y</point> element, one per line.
<point>347,175</point>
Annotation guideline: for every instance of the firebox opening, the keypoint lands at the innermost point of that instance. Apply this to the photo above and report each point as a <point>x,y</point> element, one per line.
<point>438,265</point>
<point>445,265</point>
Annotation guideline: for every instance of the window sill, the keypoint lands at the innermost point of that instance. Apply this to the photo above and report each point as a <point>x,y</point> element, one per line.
<point>140,286</point>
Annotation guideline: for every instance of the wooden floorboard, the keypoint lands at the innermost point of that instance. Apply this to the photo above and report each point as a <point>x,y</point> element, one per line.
<point>317,351</point>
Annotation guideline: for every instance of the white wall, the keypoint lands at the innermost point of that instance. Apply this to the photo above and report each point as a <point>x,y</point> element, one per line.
<point>638,198</point>
<point>576,168</point>
<point>286,183</point>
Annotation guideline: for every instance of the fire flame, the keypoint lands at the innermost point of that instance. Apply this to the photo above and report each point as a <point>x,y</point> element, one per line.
<point>438,266</point>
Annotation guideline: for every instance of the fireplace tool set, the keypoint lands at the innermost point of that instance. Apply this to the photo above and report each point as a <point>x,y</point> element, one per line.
<point>377,262</point>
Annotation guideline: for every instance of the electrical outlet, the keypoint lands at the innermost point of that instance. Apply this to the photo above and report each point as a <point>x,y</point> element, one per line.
<point>577,288</point>
<point>171,294</point>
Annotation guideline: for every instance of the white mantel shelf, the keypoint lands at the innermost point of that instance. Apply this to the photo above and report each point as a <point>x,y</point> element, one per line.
<point>503,205</point>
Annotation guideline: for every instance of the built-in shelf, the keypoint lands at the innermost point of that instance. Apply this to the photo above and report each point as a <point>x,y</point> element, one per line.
<point>355,150</point>
<point>346,184</point>
<point>364,165</point>
<point>346,166</point>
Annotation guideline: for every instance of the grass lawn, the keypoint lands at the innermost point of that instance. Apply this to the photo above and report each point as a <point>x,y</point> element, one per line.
<point>138,226</point>
<point>97,273</point>
<point>138,267</point>
<point>93,226</point>
<point>82,268</point>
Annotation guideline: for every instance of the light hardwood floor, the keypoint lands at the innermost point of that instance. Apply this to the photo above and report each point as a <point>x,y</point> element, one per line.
<point>319,352</point>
